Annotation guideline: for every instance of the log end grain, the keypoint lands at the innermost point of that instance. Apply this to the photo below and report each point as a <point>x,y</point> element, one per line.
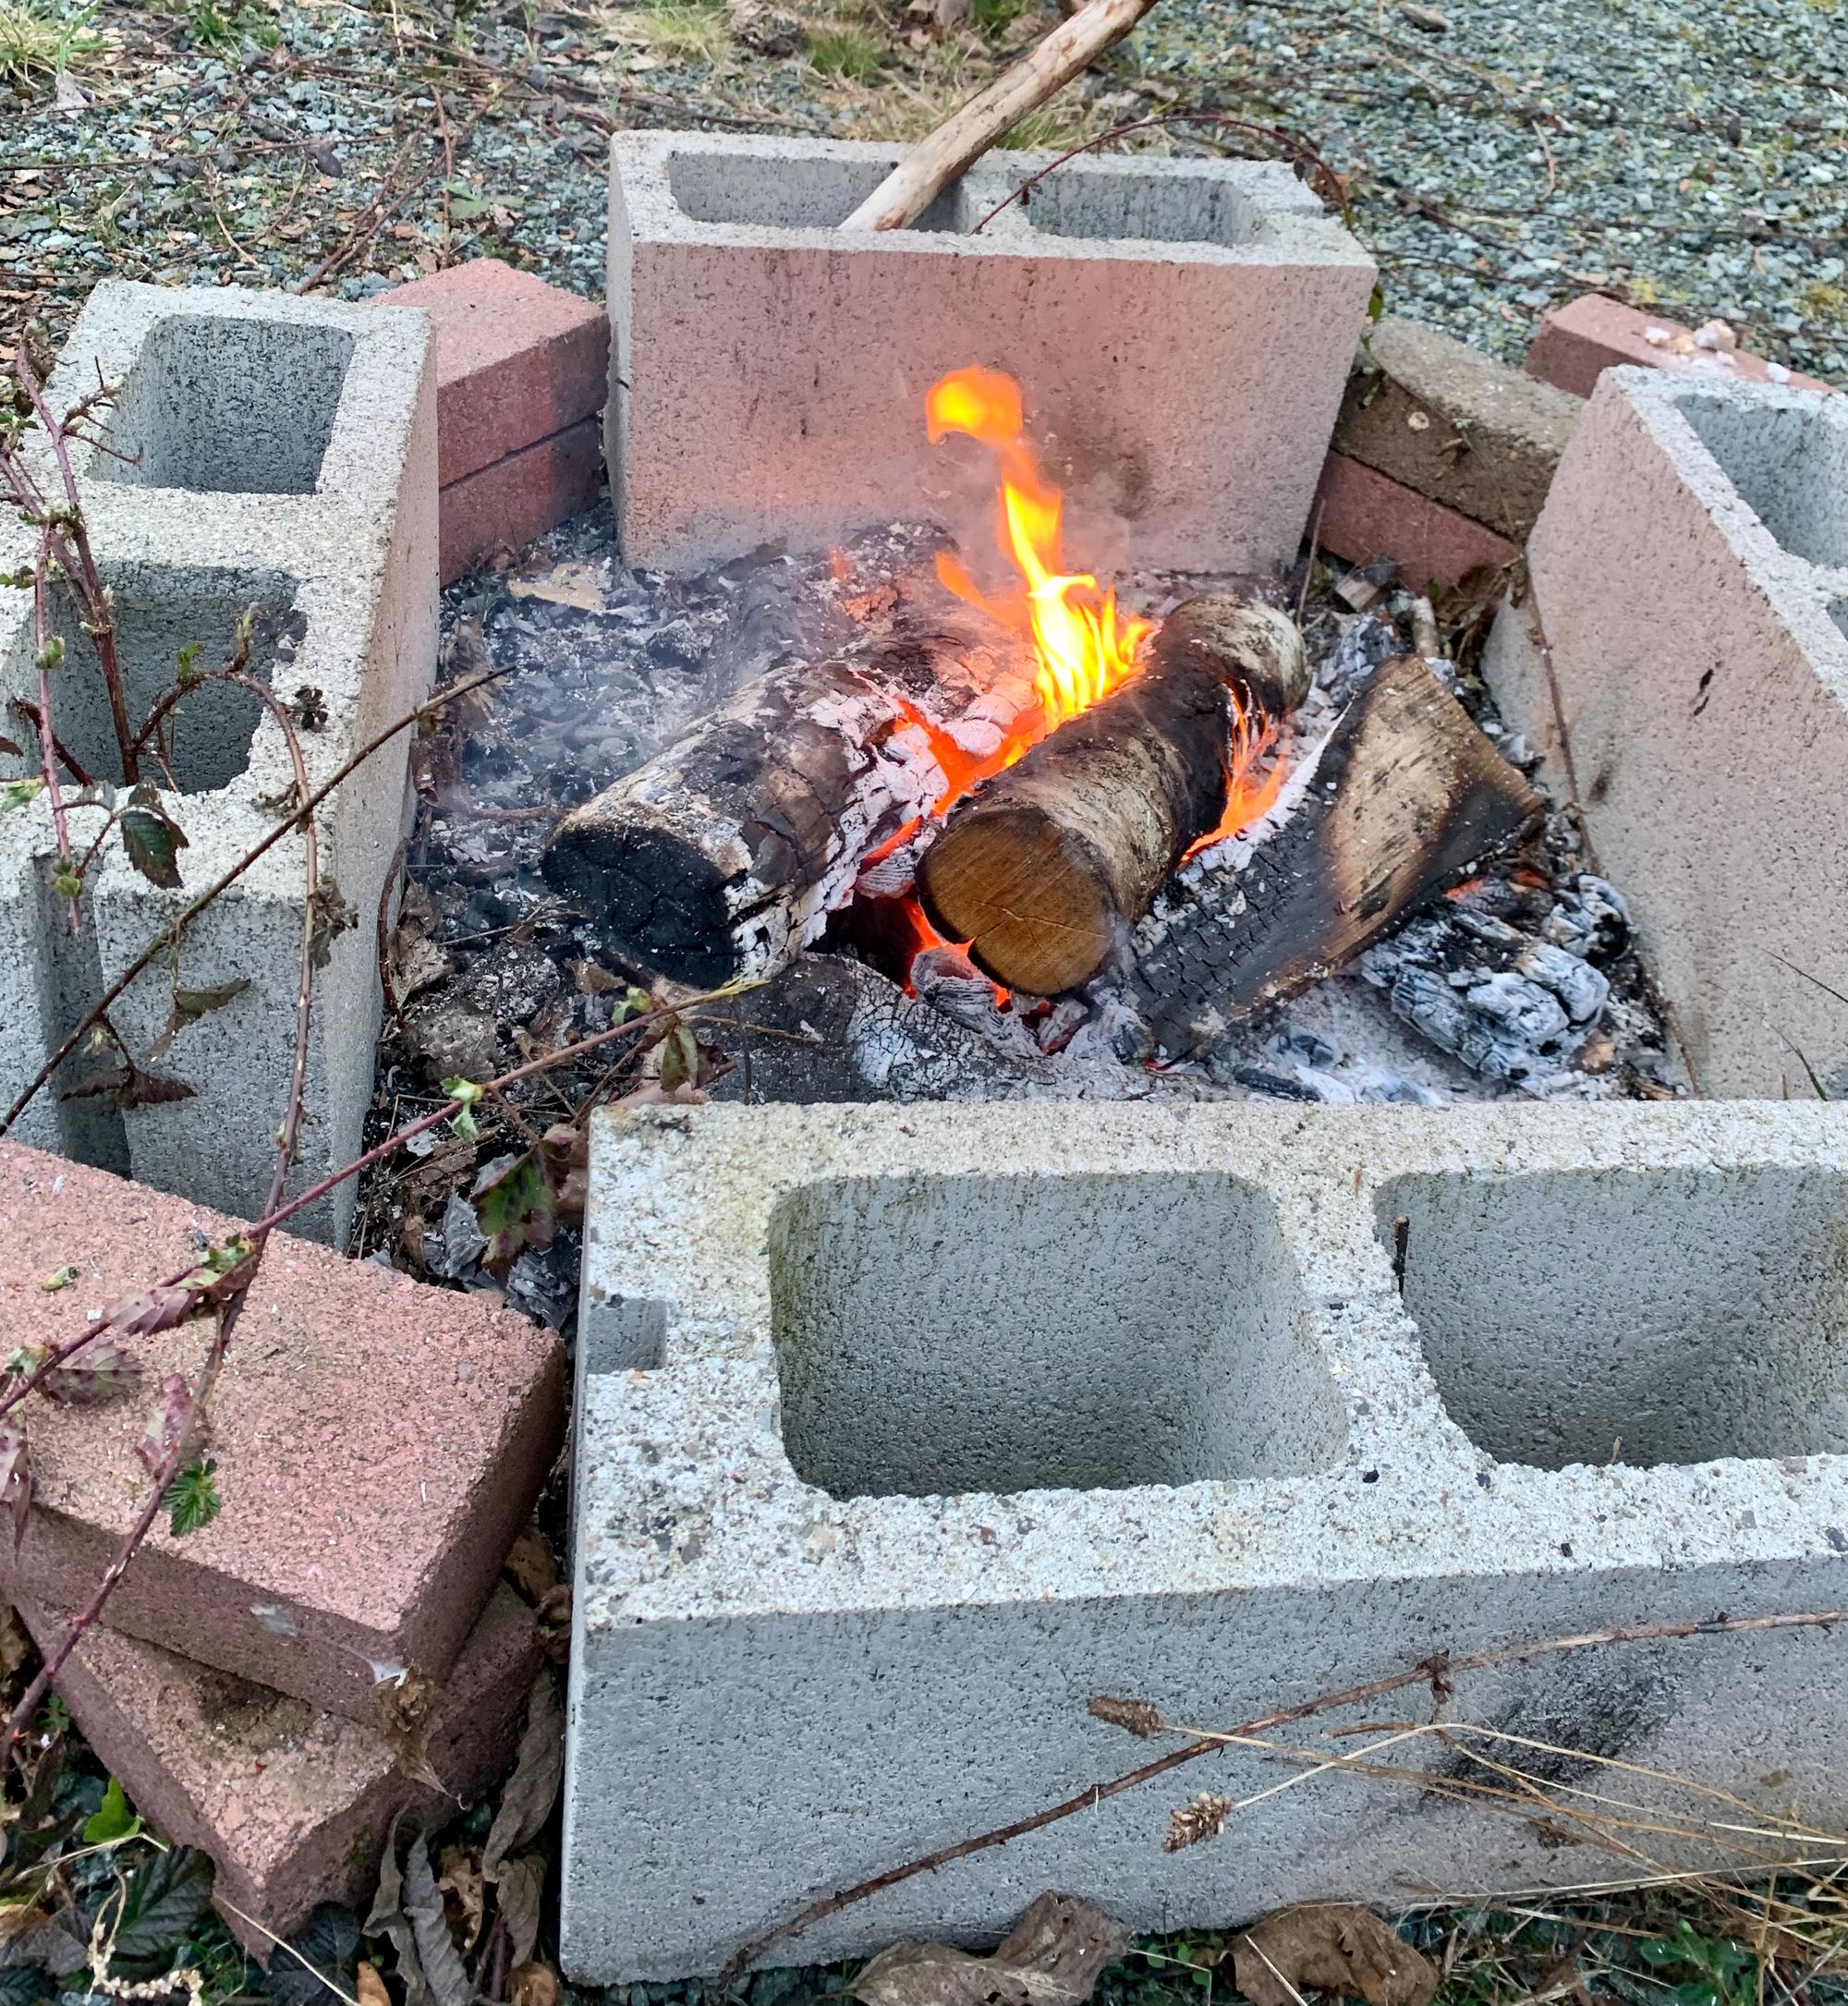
<point>1028,896</point>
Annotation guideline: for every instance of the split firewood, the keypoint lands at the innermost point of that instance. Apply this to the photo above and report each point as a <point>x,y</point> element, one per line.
<point>1406,798</point>
<point>1046,867</point>
<point>935,162</point>
<point>723,856</point>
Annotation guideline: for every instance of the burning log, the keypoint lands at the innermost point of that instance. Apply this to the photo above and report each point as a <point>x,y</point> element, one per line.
<point>722,857</point>
<point>1047,867</point>
<point>1406,799</point>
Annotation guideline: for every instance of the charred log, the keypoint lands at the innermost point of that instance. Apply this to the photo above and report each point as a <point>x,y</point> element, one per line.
<point>722,857</point>
<point>1406,799</point>
<point>1046,867</point>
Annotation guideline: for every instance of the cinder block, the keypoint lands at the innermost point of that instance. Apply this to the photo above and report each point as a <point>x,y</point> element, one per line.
<point>903,1431</point>
<point>1578,342</point>
<point>291,1804</point>
<point>1451,423</point>
<point>280,453</point>
<point>1361,515</point>
<point>520,497</point>
<point>1690,584</point>
<point>1181,329</point>
<point>516,361</point>
<point>378,1444</point>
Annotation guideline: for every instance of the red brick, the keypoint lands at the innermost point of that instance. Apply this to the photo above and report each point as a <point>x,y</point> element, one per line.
<point>1361,515</point>
<point>1579,341</point>
<point>292,1804</point>
<point>519,498</point>
<point>516,361</point>
<point>378,1445</point>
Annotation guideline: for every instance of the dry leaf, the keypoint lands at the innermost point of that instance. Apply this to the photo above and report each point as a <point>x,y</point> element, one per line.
<point>368,1987</point>
<point>518,1890</point>
<point>530,1566</point>
<point>21,1919</point>
<point>430,1926</point>
<point>388,1919</point>
<point>404,1713</point>
<point>461,1881</point>
<point>1334,1947</point>
<point>1052,1957</point>
<point>535,1984</point>
<point>417,963</point>
<point>563,585</point>
<point>527,1801</point>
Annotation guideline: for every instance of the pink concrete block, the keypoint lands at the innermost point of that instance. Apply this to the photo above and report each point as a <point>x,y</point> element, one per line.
<point>378,1445</point>
<point>519,498</point>
<point>291,1804</point>
<point>1361,515</point>
<point>1579,341</point>
<point>516,361</point>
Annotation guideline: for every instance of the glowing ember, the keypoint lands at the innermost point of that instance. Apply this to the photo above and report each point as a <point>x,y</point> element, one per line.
<point>1085,647</point>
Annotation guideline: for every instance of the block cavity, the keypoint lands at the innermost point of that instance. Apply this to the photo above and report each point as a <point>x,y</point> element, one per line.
<point>769,371</point>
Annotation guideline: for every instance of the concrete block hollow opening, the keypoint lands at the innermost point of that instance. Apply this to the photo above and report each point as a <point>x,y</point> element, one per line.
<point>1641,1317</point>
<point>1789,463</point>
<point>784,192</point>
<point>227,404</point>
<point>161,610</point>
<point>938,1334</point>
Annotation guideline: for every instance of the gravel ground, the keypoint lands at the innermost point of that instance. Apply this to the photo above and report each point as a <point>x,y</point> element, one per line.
<point>1689,153</point>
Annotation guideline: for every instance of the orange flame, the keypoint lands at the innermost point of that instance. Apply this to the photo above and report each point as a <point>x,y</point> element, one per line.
<point>1084,645</point>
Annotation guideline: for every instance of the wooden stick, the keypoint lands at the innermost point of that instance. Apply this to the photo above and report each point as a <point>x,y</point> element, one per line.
<point>963,138</point>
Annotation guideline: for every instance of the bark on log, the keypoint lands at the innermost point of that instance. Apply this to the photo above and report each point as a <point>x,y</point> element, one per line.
<point>1406,799</point>
<point>930,167</point>
<point>1046,867</point>
<point>722,857</point>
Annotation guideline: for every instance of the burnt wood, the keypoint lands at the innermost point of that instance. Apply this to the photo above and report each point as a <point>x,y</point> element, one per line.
<point>1407,799</point>
<point>1046,867</point>
<point>722,857</point>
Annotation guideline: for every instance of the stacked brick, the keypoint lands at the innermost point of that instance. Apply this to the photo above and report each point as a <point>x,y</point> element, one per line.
<point>522,369</point>
<point>377,1445</point>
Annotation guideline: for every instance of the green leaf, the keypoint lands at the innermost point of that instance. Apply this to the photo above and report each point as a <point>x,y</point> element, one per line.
<point>59,1278</point>
<point>325,1948</point>
<point>152,838</point>
<point>161,1904</point>
<point>68,879</point>
<point>114,1820</point>
<point>192,1499</point>
<point>516,1207</point>
<point>20,793</point>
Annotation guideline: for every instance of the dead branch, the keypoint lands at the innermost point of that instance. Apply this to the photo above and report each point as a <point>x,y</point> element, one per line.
<point>930,167</point>
<point>1438,1673</point>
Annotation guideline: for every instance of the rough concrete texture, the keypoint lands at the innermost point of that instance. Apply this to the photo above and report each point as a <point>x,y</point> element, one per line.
<point>903,1431</point>
<point>291,1804</point>
<point>1578,342</point>
<point>516,361</point>
<point>1690,583</point>
<point>1448,421</point>
<point>378,1444</point>
<point>1361,515</point>
<point>505,506</point>
<point>1181,329</point>
<point>281,454</point>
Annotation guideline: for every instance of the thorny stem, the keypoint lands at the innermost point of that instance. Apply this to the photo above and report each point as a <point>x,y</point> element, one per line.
<point>212,890</point>
<point>47,737</point>
<point>1438,1673</point>
<point>85,580</point>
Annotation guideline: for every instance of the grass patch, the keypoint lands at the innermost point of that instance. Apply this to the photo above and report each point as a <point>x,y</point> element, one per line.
<point>846,53</point>
<point>691,30</point>
<point>39,41</point>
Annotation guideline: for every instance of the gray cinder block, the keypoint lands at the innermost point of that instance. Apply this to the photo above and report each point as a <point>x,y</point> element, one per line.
<point>903,1431</point>
<point>1683,663</point>
<point>273,453</point>
<point>1181,330</point>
